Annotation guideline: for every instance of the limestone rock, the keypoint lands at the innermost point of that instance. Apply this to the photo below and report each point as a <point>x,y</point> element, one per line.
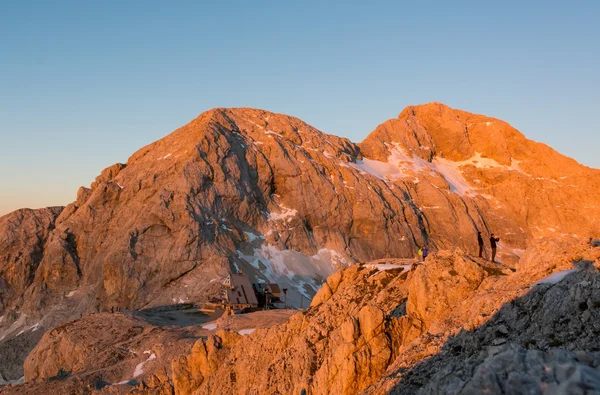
<point>540,341</point>
<point>371,335</point>
<point>22,240</point>
<point>438,286</point>
<point>268,194</point>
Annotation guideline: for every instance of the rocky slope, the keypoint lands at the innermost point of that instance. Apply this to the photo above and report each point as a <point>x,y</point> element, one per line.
<point>371,329</point>
<point>279,199</point>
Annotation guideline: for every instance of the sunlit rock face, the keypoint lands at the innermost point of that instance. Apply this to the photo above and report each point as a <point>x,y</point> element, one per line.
<point>267,194</point>
<point>372,330</point>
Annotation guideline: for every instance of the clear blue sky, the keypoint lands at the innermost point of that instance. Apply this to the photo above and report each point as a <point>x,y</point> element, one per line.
<point>85,84</point>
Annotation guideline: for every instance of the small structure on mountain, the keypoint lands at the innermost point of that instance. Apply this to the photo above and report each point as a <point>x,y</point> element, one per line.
<point>237,293</point>
<point>267,294</point>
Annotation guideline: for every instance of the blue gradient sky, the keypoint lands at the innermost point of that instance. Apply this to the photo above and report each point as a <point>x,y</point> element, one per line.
<point>85,84</point>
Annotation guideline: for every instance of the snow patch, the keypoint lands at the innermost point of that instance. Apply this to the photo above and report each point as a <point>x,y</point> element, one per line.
<point>139,369</point>
<point>246,331</point>
<point>451,173</point>
<point>300,273</point>
<point>401,165</point>
<point>389,266</point>
<point>70,294</point>
<point>555,278</point>
<point>19,323</point>
<point>32,328</point>
<point>483,163</point>
<point>210,327</point>
<point>381,170</point>
<point>273,133</point>
<point>165,157</point>
<point>255,124</point>
<point>285,214</point>
<point>252,236</point>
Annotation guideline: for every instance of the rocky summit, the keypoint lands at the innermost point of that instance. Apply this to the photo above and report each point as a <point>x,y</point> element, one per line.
<point>90,292</point>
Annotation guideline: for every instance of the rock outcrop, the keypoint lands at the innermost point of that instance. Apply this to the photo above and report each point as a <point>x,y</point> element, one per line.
<point>22,242</point>
<point>429,297</point>
<point>545,342</point>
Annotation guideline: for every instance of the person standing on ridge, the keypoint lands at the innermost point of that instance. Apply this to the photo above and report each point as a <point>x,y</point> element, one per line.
<point>420,252</point>
<point>480,242</point>
<point>425,252</point>
<point>493,241</point>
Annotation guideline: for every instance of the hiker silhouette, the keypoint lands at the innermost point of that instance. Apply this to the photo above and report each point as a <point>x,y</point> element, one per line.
<point>493,241</point>
<point>480,243</point>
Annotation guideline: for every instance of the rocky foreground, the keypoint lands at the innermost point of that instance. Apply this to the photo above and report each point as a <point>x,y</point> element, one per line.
<point>454,324</point>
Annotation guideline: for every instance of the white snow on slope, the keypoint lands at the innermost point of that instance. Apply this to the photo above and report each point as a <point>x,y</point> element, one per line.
<point>210,327</point>
<point>139,369</point>
<point>274,133</point>
<point>252,236</point>
<point>381,170</point>
<point>556,277</point>
<point>285,214</point>
<point>453,176</point>
<point>402,165</point>
<point>246,331</point>
<point>165,157</point>
<point>19,323</point>
<point>514,251</point>
<point>389,266</point>
<point>301,274</point>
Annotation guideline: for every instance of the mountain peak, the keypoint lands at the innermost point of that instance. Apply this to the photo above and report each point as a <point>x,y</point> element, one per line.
<point>413,110</point>
<point>437,130</point>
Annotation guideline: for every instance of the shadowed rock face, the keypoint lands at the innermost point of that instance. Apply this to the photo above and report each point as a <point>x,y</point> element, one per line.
<point>23,237</point>
<point>275,197</point>
<point>546,342</point>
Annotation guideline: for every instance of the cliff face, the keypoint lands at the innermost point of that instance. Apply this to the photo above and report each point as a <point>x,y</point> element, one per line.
<point>22,242</point>
<point>270,195</point>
